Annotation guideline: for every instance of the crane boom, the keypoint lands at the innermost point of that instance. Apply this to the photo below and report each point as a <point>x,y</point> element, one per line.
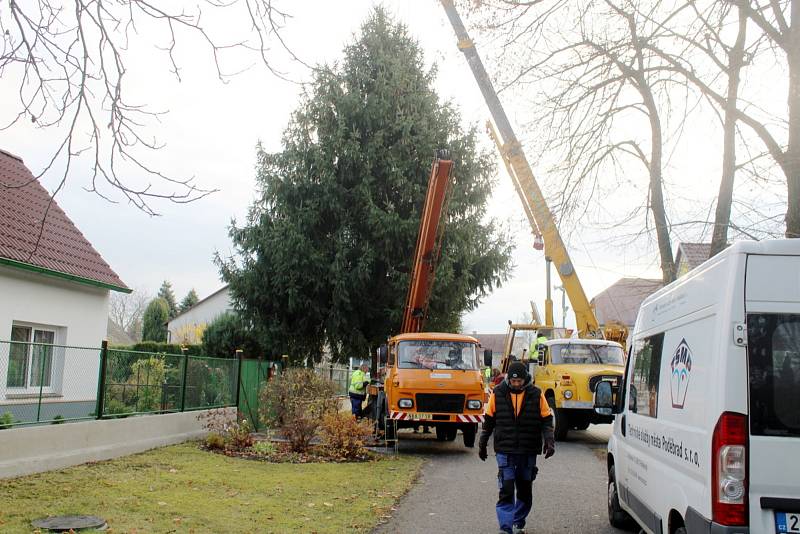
<point>428,246</point>
<point>528,189</point>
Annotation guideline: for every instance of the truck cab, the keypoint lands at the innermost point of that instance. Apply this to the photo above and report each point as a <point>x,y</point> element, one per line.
<point>567,370</point>
<point>431,379</point>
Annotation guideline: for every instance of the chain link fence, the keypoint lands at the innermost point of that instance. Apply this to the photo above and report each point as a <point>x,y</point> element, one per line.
<point>338,374</point>
<point>48,383</point>
<point>149,382</point>
<point>42,382</point>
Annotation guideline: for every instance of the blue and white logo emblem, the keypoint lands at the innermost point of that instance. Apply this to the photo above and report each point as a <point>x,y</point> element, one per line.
<point>681,367</point>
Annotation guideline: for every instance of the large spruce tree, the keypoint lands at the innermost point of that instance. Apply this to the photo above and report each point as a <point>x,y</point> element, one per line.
<point>324,258</point>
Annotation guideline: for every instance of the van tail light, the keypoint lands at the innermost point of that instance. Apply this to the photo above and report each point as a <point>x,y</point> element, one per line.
<point>729,470</point>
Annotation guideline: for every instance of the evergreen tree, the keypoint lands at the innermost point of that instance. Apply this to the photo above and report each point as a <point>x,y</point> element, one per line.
<point>326,252</point>
<point>188,301</point>
<point>166,293</point>
<point>154,321</point>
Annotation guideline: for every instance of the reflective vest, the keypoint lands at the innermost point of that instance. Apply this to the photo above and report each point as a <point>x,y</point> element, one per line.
<point>534,354</point>
<point>357,382</point>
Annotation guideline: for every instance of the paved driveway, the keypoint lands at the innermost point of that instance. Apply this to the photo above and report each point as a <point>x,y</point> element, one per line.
<point>456,491</point>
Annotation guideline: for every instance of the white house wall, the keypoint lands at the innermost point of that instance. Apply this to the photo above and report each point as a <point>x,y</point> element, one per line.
<point>79,314</point>
<point>199,316</point>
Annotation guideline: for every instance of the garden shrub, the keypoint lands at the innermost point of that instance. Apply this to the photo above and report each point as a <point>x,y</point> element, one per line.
<point>296,403</point>
<point>215,441</point>
<point>58,419</point>
<point>6,420</point>
<point>343,436</point>
<point>236,433</point>
<point>263,448</point>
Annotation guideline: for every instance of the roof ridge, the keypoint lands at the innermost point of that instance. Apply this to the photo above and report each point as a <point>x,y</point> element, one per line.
<point>11,155</point>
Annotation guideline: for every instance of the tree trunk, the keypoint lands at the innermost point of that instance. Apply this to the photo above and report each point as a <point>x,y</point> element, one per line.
<point>656,190</point>
<point>793,150</point>
<point>723,214</point>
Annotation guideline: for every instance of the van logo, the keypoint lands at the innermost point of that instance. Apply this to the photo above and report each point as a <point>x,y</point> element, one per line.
<point>681,366</point>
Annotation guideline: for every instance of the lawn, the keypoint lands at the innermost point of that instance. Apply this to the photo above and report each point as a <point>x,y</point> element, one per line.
<point>185,489</point>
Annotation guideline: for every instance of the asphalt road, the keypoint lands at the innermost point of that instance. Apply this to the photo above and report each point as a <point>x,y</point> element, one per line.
<point>456,492</point>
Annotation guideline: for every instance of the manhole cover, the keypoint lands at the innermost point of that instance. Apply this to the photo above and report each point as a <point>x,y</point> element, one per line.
<point>69,522</point>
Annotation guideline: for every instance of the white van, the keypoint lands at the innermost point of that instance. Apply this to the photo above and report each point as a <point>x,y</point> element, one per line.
<point>707,432</point>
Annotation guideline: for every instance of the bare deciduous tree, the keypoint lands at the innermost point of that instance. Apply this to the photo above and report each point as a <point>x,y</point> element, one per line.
<point>127,310</point>
<point>69,63</point>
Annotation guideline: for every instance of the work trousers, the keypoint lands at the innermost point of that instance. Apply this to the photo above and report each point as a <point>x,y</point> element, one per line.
<point>515,472</point>
<point>356,400</point>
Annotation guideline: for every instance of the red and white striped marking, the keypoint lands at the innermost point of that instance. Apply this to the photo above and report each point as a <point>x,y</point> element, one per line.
<point>469,418</point>
<point>400,416</point>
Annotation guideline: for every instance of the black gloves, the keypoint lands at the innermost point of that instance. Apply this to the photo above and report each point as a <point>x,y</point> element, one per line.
<point>482,443</point>
<point>365,383</point>
<point>549,447</point>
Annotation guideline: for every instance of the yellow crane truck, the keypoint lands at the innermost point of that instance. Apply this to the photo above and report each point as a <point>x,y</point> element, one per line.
<point>567,370</point>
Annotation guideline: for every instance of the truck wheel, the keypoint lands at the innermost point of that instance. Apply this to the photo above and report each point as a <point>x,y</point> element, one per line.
<point>384,423</point>
<point>561,419</point>
<point>468,433</point>
<point>452,432</point>
<point>441,433</point>
<point>618,517</point>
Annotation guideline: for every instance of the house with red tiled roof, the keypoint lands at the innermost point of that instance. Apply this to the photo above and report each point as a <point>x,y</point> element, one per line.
<point>689,256</point>
<point>620,301</point>
<point>54,295</point>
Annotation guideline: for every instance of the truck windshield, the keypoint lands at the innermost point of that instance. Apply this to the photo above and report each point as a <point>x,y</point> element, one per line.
<point>583,353</point>
<point>773,342</point>
<point>423,354</point>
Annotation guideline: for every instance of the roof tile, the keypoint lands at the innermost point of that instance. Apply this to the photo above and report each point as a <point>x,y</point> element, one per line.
<point>24,203</point>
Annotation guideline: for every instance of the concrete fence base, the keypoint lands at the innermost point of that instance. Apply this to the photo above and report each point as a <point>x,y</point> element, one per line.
<point>28,450</point>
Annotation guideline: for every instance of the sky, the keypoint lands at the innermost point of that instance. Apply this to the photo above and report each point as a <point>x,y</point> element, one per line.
<point>210,132</point>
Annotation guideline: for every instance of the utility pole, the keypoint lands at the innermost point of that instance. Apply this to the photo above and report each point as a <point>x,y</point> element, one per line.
<point>564,306</point>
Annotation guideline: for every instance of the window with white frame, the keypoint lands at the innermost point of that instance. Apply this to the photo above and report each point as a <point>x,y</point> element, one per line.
<point>30,361</point>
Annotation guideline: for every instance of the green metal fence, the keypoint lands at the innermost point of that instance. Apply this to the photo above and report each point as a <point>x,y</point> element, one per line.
<point>254,374</point>
<point>49,383</point>
<point>338,374</point>
<point>41,382</point>
<point>134,382</point>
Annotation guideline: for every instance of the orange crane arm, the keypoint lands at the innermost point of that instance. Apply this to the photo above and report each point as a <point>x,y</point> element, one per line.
<point>428,246</point>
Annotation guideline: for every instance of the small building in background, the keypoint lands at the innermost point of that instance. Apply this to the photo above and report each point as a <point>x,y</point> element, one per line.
<point>496,342</point>
<point>188,327</point>
<point>620,302</point>
<point>689,256</point>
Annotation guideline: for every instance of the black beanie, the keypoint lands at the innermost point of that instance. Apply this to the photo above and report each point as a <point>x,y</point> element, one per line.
<point>517,370</point>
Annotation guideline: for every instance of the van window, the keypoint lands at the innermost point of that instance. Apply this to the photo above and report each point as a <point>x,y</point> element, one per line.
<point>773,342</point>
<point>643,397</point>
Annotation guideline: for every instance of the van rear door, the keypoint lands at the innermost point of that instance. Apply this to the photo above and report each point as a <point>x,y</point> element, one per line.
<point>772,303</point>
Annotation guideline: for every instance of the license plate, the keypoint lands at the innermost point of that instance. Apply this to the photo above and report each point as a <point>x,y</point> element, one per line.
<point>786,522</point>
<point>424,416</point>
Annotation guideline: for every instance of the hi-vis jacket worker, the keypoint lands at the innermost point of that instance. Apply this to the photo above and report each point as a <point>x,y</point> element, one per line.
<point>522,422</point>
<point>533,353</point>
<point>358,389</point>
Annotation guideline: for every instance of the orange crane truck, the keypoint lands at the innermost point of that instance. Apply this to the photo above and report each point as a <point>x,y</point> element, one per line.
<point>430,378</point>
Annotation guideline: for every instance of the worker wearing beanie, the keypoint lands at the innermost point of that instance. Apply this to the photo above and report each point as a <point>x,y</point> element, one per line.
<point>522,422</point>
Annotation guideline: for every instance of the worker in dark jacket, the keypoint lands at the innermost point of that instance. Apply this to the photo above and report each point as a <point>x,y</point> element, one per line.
<point>522,422</point>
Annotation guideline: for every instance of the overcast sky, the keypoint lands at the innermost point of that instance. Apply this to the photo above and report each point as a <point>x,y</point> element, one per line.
<point>211,131</point>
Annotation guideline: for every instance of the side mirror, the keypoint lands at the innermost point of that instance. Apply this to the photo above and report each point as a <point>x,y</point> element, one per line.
<point>383,354</point>
<point>604,399</point>
<point>487,357</point>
